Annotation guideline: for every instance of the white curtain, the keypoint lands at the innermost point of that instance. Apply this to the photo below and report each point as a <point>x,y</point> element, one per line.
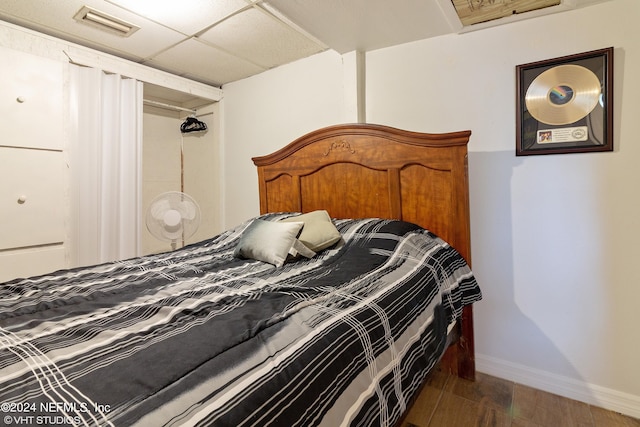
<point>105,161</point>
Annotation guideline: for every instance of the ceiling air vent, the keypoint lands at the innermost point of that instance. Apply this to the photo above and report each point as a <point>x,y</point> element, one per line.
<point>101,20</point>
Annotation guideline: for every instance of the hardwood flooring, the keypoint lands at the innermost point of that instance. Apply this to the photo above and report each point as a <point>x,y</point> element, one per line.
<point>448,401</point>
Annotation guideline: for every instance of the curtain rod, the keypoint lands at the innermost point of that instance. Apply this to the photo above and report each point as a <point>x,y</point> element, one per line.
<point>169,106</point>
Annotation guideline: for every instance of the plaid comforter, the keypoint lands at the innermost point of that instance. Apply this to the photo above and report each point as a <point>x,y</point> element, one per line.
<point>198,337</point>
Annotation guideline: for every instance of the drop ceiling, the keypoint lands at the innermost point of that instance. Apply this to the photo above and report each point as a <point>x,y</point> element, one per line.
<point>221,41</point>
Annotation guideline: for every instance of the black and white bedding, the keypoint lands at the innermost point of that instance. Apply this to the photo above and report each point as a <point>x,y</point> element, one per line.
<point>199,336</point>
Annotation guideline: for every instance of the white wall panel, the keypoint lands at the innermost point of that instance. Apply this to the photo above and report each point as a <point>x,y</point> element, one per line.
<point>32,199</point>
<point>32,262</point>
<point>31,101</point>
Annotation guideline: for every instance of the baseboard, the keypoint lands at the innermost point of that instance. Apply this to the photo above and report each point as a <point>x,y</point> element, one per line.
<point>602,397</point>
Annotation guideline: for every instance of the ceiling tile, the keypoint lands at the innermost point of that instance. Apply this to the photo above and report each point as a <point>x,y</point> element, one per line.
<point>59,22</point>
<point>204,63</point>
<point>261,38</point>
<point>366,24</point>
<point>186,16</point>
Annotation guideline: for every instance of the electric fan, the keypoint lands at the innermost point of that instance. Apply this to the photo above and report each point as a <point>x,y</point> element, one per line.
<point>173,216</point>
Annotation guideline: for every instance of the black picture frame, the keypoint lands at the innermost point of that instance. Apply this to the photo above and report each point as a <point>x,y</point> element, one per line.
<point>565,104</point>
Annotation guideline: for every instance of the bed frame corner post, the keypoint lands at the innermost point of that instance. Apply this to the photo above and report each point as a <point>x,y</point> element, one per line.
<point>466,346</point>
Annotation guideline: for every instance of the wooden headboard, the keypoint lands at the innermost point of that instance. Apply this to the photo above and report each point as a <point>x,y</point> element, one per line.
<point>367,170</point>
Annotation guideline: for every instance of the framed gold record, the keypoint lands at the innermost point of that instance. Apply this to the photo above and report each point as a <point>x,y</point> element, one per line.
<point>565,105</point>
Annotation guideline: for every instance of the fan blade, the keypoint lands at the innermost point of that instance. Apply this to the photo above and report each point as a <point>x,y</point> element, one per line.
<point>159,208</point>
<point>187,209</point>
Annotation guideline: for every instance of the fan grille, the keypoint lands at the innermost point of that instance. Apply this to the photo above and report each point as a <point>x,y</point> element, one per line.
<point>173,216</point>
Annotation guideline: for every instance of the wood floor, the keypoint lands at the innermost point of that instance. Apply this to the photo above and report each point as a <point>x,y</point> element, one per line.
<point>448,401</point>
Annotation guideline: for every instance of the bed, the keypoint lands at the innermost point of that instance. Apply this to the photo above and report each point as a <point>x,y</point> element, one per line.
<point>329,308</point>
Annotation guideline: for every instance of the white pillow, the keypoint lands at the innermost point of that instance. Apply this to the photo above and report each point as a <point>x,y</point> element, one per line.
<point>268,241</point>
<point>319,232</point>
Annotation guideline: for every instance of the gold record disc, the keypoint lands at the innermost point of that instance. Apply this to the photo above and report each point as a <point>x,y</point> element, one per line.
<point>563,95</point>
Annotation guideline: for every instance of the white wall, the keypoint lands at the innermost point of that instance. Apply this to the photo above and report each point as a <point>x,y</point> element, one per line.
<point>160,164</point>
<point>202,172</point>
<point>263,113</point>
<point>554,238</point>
